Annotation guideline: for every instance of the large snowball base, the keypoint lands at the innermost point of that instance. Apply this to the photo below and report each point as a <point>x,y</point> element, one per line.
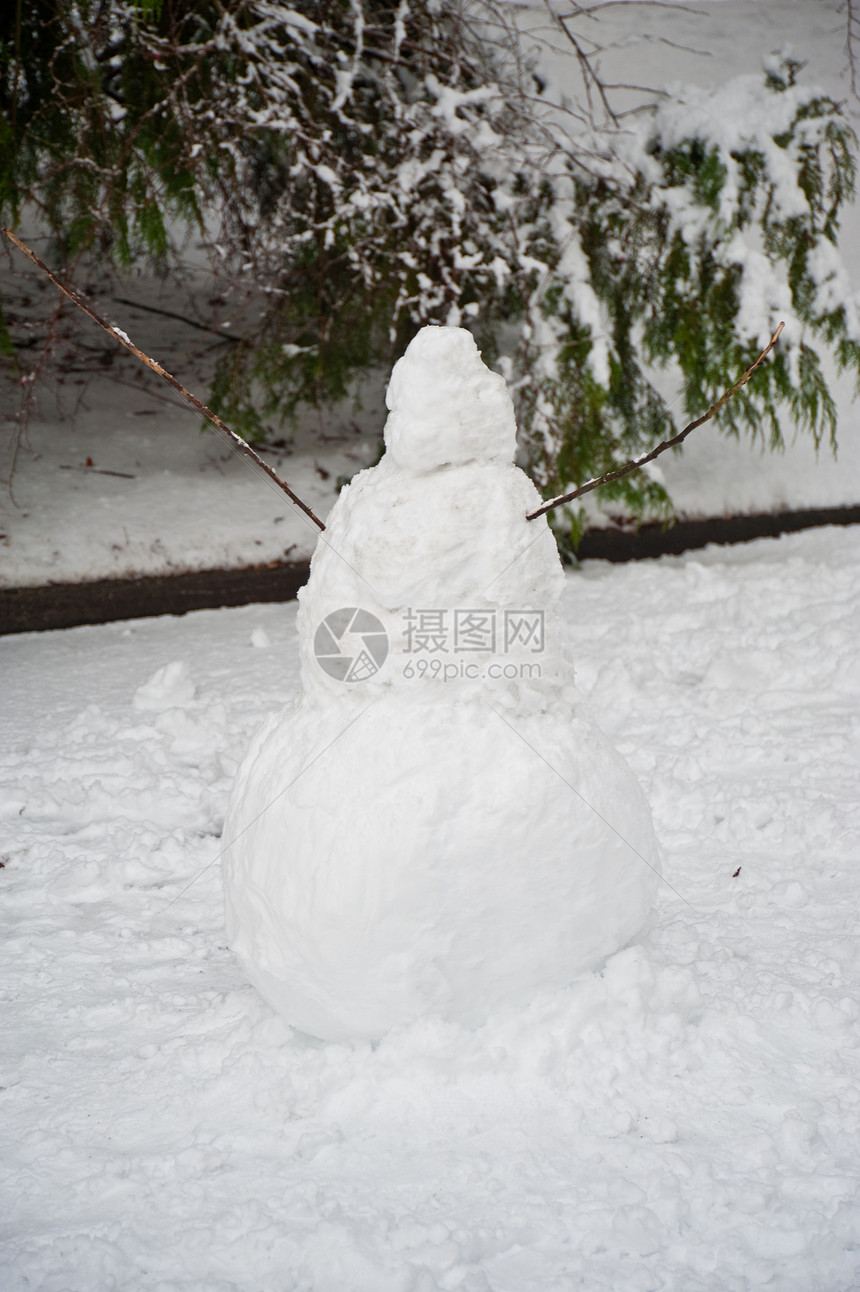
<point>431,862</point>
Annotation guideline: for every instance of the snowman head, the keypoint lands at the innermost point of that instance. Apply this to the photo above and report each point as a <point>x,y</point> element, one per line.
<point>446,407</point>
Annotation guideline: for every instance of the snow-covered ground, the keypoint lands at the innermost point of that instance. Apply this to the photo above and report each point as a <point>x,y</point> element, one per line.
<point>686,1119</point>
<point>113,479</point>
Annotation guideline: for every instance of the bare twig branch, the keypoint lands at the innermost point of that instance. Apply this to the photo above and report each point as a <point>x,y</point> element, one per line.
<point>182,318</point>
<point>29,382</point>
<point>619,472</point>
<point>579,25</point>
<point>852,40</point>
<point>214,420</point>
<point>585,11</point>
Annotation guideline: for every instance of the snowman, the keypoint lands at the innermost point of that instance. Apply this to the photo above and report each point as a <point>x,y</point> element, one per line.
<point>434,825</point>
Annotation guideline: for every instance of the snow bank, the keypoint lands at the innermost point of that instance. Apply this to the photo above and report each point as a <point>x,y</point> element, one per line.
<point>686,1119</point>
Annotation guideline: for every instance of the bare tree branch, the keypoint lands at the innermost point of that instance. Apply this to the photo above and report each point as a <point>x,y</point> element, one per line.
<point>214,420</point>
<point>852,39</point>
<point>183,318</point>
<point>619,472</point>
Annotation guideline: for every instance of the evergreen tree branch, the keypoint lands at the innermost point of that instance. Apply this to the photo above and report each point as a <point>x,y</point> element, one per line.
<point>636,463</point>
<point>212,418</point>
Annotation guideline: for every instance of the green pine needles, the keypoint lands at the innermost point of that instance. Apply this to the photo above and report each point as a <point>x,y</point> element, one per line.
<point>370,167</point>
<point>689,246</point>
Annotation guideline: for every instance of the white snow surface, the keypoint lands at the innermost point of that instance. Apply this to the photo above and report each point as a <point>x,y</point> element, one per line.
<point>405,840</point>
<point>686,1118</point>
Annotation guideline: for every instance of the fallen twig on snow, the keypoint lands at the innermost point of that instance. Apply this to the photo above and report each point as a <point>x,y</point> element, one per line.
<point>624,470</point>
<point>214,420</point>
<point>182,318</point>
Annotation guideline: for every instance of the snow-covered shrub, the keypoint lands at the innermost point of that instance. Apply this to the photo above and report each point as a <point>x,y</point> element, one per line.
<point>684,242</point>
<point>374,165</point>
<point>362,162</point>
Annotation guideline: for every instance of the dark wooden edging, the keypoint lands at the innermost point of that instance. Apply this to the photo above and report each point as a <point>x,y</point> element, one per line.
<point>67,605</point>
<point>686,535</point>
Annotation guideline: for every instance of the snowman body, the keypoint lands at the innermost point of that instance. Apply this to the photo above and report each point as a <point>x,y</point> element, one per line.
<point>435,825</point>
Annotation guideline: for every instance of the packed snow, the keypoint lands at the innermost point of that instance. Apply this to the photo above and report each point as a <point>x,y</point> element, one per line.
<point>435,827</point>
<point>687,1118</point>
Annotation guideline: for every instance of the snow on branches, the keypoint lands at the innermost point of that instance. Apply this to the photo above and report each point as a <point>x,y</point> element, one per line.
<point>684,240</point>
<point>369,166</point>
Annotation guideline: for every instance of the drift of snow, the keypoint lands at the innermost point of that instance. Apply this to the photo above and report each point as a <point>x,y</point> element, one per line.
<point>169,688</point>
<point>406,841</point>
<point>685,1119</point>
